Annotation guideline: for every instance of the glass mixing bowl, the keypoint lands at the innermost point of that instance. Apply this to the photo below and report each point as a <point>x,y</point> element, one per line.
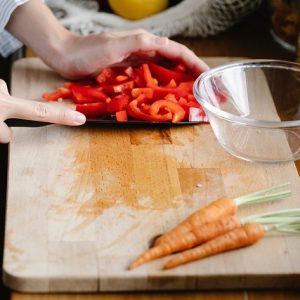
<point>253,107</point>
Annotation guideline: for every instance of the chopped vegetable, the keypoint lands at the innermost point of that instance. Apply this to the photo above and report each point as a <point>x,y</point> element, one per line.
<point>92,109</point>
<point>243,236</point>
<point>210,231</point>
<point>234,239</point>
<point>195,237</point>
<point>220,208</point>
<point>121,116</point>
<point>60,93</point>
<point>151,92</point>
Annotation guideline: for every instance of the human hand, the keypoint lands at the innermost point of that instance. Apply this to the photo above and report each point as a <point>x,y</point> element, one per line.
<point>11,107</point>
<point>87,55</point>
<point>74,56</point>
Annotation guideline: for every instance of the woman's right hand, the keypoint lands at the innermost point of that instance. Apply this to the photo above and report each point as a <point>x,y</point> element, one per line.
<point>12,107</point>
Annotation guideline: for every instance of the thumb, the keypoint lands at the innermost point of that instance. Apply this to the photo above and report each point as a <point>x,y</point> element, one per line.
<point>5,133</point>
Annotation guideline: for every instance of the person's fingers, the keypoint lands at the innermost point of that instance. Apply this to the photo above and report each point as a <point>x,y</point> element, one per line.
<point>146,42</point>
<point>177,51</point>
<point>5,133</point>
<point>123,33</point>
<point>3,87</point>
<point>45,112</point>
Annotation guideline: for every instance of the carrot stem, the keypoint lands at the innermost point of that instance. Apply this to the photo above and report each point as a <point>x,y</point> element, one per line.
<point>288,227</point>
<point>263,195</point>
<point>277,217</point>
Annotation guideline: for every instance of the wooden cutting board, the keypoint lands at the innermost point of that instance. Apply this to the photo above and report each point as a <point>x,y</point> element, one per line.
<point>84,202</point>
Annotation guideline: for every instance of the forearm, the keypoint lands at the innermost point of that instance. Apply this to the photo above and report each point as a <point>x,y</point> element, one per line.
<point>34,25</point>
<point>74,56</point>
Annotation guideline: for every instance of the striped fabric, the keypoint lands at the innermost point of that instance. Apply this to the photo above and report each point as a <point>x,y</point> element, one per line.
<point>8,44</point>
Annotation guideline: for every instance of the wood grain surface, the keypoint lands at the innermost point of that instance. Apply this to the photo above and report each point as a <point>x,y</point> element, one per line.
<point>92,198</point>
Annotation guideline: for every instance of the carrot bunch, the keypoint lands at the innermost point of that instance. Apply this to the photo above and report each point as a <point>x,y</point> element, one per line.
<point>215,228</point>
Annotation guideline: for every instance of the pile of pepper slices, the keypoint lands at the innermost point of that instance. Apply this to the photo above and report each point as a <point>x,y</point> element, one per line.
<point>149,92</point>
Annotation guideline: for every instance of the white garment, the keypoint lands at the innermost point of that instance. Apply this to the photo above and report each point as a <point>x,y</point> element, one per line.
<point>187,18</point>
<point>8,44</point>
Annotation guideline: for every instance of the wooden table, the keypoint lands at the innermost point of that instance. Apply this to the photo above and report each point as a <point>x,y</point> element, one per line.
<point>251,38</point>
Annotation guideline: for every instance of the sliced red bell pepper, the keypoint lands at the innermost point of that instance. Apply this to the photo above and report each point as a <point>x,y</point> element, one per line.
<point>128,85</point>
<point>150,81</point>
<point>121,116</point>
<point>117,103</point>
<point>118,88</point>
<point>134,111</point>
<point>160,93</point>
<point>121,78</point>
<point>177,111</point>
<point>186,86</point>
<point>129,72</point>
<point>171,97</point>
<point>106,75</point>
<point>172,84</point>
<point>145,107</point>
<point>62,92</point>
<point>164,75</point>
<point>86,94</point>
<point>186,105</point>
<point>92,109</point>
<point>147,92</point>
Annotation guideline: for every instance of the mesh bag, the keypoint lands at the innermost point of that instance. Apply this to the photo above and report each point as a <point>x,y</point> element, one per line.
<point>188,18</point>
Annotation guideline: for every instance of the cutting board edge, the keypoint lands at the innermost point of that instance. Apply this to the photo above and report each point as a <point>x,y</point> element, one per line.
<point>224,282</point>
<point>22,283</point>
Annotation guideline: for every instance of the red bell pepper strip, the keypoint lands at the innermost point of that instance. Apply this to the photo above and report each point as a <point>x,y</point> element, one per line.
<point>134,111</point>
<point>147,92</point>
<point>105,75</point>
<point>86,94</point>
<point>62,92</point>
<point>172,84</point>
<point>171,97</point>
<point>128,85</point>
<point>117,103</point>
<point>118,88</point>
<point>177,111</point>
<point>164,75</point>
<point>95,109</point>
<point>187,86</point>
<point>129,72</point>
<point>121,116</point>
<point>161,92</point>
<point>121,78</point>
<point>150,81</point>
<point>186,105</point>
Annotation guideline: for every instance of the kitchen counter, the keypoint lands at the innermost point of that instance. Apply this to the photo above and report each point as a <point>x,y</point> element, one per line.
<point>251,39</point>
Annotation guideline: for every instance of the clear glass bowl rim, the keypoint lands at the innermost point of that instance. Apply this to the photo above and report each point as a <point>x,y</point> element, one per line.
<point>250,63</point>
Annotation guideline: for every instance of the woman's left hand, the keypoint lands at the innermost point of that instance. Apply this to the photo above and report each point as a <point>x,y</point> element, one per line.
<point>74,56</point>
<point>87,55</point>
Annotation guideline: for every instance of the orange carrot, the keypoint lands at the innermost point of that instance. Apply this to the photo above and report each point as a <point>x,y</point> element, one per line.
<point>217,209</point>
<point>240,237</point>
<point>220,208</point>
<point>189,240</point>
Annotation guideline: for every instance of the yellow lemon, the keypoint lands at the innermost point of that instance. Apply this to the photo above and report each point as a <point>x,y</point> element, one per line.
<point>137,9</point>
